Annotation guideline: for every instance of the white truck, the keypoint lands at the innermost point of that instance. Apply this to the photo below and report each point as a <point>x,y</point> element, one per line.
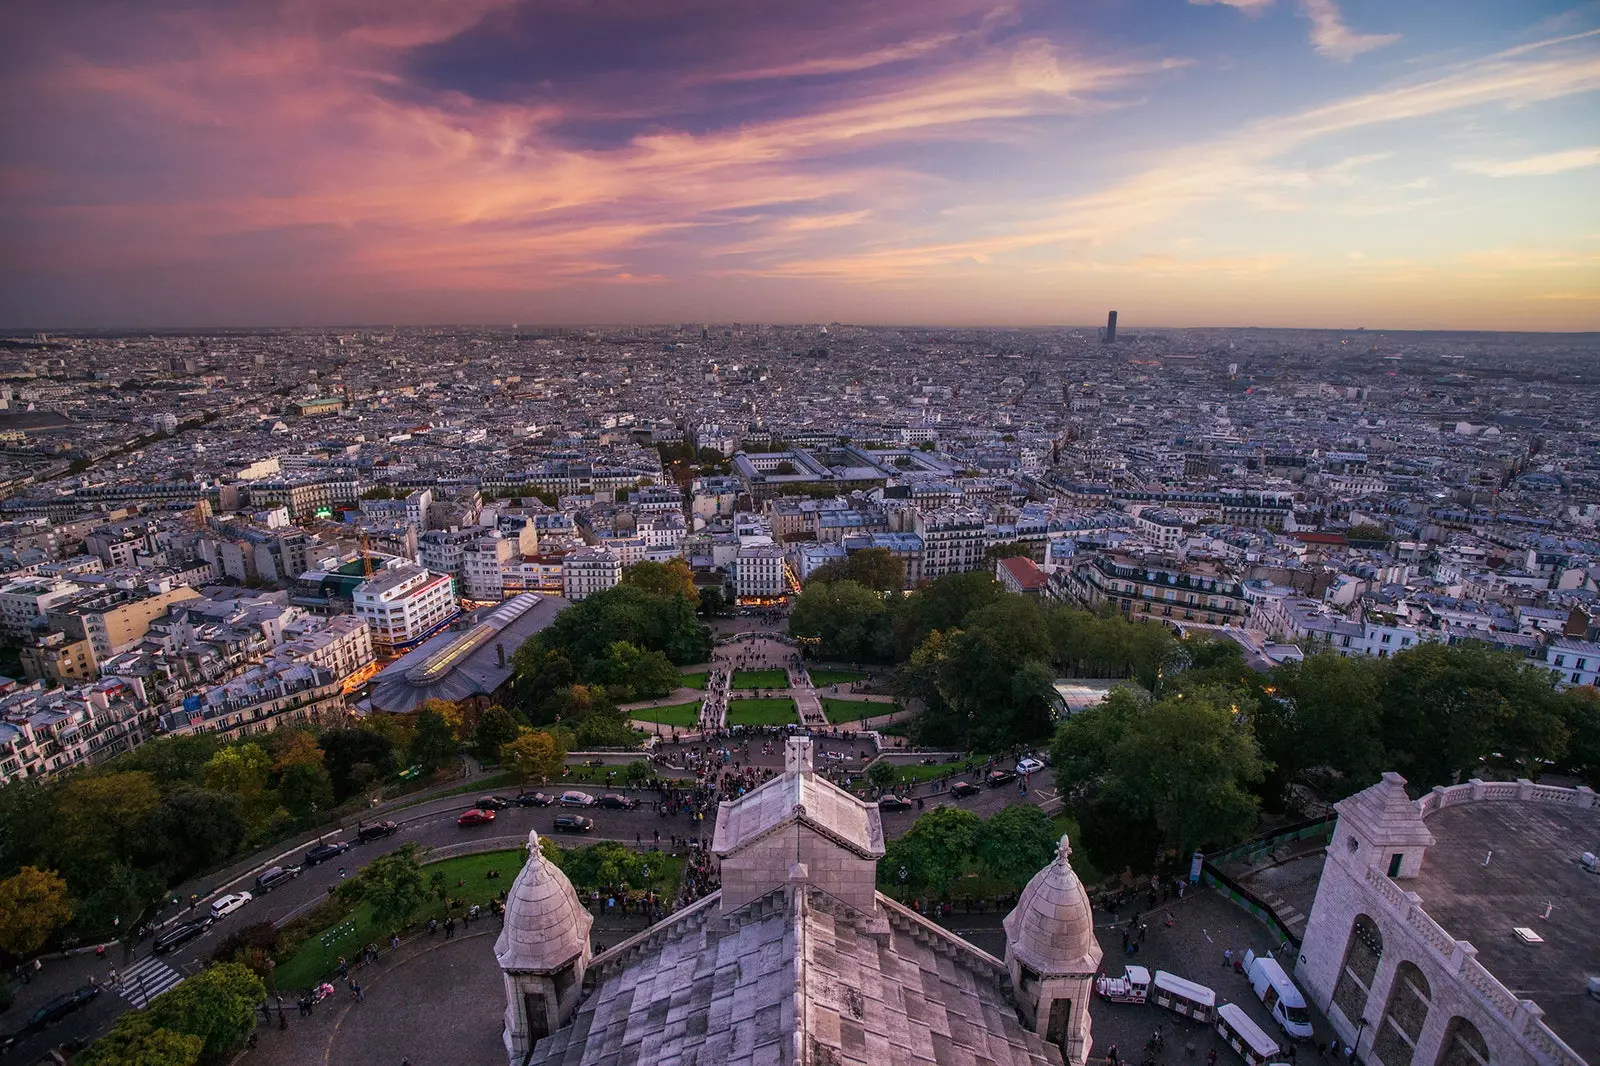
<point>1282,998</point>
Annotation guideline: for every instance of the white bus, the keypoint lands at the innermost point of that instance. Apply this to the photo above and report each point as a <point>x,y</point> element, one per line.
<point>1185,998</point>
<point>1245,1036</point>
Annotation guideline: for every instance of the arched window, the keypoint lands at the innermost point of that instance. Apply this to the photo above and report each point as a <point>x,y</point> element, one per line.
<point>1463,1045</point>
<point>1403,1017</point>
<point>1360,966</point>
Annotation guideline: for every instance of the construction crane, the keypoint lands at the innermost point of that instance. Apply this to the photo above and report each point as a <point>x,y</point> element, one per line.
<point>366,555</point>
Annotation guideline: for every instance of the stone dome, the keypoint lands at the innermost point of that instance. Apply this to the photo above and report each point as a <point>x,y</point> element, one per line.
<point>546,926</point>
<point>1052,929</point>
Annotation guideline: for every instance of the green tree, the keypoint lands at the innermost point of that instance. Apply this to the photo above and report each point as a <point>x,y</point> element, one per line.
<point>1580,708</point>
<point>644,674</point>
<point>874,568</point>
<point>135,1041</point>
<point>356,757</point>
<point>1016,844</point>
<point>394,886</point>
<point>1330,719</point>
<point>712,602</point>
<point>242,770</point>
<point>672,578</point>
<point>881,774</point>
<point>173,761</point>
<point>534,755</point>
<point>434,746</point>
<point>33,905</point>
<point>306,789</point>
<point>936,852</point>
<point>218,1005</point>
<point>845,616</point>
<point>496,729</point>
<point>99,816</point>
<point>194,830</point>
<point>1009,550</point>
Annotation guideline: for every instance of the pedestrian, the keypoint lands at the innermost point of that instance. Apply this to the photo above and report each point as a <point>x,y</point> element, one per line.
<point>394,941</point>
<point>1227,958</point>
<point>1143,929</point>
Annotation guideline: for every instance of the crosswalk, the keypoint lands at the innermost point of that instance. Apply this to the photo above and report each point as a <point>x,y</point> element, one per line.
<point>145,980</point>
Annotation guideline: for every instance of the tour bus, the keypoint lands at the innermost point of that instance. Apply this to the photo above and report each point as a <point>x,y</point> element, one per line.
<point>1282,998</point>
<point>1185,998</point>
<point>1132,987</point>
<point>1245,1036</point>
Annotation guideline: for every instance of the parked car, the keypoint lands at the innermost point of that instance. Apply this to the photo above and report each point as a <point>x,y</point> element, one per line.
<point>997,778</point>
<point>965,788</point>
<point>894,803</point>
<point>374,830</point>
<point>324,852</point>
<point>267,880</point>
<point>180,935</point>
<point>1030,765</point>
<point>613,802</point>
<point>476,816</point>
<point>534,799</point>
<point>58,1008</point>
<point>493,803</point>
<point>574,798</point>
<point>573,823</point>
<point>223,906</point>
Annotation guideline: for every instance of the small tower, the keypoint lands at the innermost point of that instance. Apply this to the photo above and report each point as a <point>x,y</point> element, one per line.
<point>1381,828</point>
<point>543,952</point>
<point>1053,956</point>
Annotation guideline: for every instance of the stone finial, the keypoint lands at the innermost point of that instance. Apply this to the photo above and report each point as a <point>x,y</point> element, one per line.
<point>533,843</point>
<point>1064,850</point>
<point>797,756</point>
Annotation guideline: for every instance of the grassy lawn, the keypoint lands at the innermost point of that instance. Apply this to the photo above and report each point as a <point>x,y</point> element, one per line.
<point>835,677</point>
<point>916,773</point>
<point>312,961</point>
<point>761,679</point>
<point>762,712</point>
<point>694,680</point>
<point>844,712</point>
<point>680,714</point>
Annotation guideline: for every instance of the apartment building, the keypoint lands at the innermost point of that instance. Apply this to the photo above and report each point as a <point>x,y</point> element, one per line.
<point>114,620</point>
<point>404,604</point>
<point>1193,592</point>
<point>483,564</point>
<point>24,602</point>
<point>758,573</point>
<point>589,570</point>
<point>952,541</point>
<point>342,645</point>
<point>269,697</point>
<point>53,657</point>
<point>47,732</point>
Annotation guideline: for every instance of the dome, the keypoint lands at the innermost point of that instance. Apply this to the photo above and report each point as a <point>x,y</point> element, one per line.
<point>546,926</point>
<point>1052,929</point>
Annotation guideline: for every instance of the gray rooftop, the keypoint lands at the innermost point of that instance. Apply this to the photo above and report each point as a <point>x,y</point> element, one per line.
<point>1536,848</point>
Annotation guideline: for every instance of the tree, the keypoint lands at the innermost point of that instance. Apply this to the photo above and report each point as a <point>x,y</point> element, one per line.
<point>1016,843</point>
<point>33,906</point>
<point>496,729</point>
<point>218,1005</point>
<point>534,755</point>
<point>712,602</point>
<point>135,1041</point>
<point>434,746</point>
<point>195,830</point>
<point>460,717</point>
<point>306,789</point>
<point>100,816</point>
<point>881,774</point>
<point>173,761</point>
<point>296,747</point>
<point>934,854</point>
<point>845,616</point>
<point>644,674</point>
<point>673,578</point>
<point>242,770</point>
<point>356,757</point>
<point>1330,719</point>
<point>1009,550</point>
<point>394,886</point>
<point>873,568</point>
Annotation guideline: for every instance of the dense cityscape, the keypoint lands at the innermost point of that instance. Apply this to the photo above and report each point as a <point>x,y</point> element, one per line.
<point>259,583</point>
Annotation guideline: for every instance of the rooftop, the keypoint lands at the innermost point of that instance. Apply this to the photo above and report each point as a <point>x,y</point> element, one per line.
<point>1532,851</point>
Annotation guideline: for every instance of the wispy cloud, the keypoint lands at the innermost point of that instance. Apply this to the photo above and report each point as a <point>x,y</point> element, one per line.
<point>1251,7</point>
<point>1332,38</point>
<point>1536,165</point>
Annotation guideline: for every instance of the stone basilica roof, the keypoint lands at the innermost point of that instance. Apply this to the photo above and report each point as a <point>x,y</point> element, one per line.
<point>546,927</point>
<point>1052,929</point>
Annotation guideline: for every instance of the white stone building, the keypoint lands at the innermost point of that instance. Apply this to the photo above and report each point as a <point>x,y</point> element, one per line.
<point>589,570</point>
<point>758,572</point>
<point>1418,947</point>
<point>403,604</point>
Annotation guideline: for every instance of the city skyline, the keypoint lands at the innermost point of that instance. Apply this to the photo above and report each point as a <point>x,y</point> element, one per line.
<point>1281,163</point>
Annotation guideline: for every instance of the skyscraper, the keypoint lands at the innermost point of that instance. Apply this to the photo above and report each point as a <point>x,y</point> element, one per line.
<point>1110,335</point>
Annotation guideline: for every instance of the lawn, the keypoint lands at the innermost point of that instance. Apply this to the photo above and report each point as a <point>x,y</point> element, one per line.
<point>762,712</point>
<point>680,714</point>
<point>846,712</point>
<point>916,773</point>
<point>313,961</point>
<point>761,679</point>
<point>694,680</point>
<point>835,677</point>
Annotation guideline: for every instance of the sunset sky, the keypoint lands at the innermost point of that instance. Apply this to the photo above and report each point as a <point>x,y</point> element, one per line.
<point>1387,163</point>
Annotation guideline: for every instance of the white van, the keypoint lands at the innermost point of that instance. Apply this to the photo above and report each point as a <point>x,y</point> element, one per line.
<point>1245,1036</point>
<point>1185,998</point>
<point>1281,997</point>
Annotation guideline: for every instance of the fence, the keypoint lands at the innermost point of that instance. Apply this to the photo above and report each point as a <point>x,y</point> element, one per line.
<point>1252,852</point>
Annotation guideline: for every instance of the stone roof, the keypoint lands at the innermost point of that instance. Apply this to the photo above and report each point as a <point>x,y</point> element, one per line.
<point>545,925</point>
<point>796,979</point>
<point>802,797</point>
<point>1384,815</point>
<point>1052,929</point>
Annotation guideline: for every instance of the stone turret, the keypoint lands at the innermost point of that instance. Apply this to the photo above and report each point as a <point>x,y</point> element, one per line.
<point>543,952</point>
<point>1053,956</point>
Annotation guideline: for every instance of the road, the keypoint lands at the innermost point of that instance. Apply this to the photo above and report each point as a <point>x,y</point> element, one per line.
<point>430,824</point>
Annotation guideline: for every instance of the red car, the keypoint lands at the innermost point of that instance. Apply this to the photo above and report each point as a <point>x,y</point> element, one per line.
<point>475,817</point>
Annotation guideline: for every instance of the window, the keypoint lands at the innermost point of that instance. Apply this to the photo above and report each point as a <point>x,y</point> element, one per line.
<point>1405,1014</point>
<point>1463,1045</point>
<point>1361,956</point>
<point>1394,864</point>
<point>1561,660</point>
